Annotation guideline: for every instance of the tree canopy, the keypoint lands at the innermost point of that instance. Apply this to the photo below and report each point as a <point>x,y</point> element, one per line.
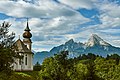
<point>6,38</point>
<point>85,67</point>
<point>7,54</point>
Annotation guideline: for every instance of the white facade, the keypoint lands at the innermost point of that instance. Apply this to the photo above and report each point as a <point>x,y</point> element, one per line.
<point>24,64</point>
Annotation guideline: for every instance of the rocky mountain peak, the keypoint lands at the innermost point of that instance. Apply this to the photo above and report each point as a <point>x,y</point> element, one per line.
<point>75,49</point>
<point>96,40</point>
<point>71,41</point>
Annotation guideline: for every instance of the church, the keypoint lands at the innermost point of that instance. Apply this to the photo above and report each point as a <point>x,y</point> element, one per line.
<point>24,49</point>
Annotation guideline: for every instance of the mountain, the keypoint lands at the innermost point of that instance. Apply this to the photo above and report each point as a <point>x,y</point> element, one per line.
<point>98,46</point>
<point>96,40</point>
<point>40,56</point>
<point>95,45</point>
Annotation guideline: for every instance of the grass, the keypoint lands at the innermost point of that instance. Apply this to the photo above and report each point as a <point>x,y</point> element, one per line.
<point>28,75</point>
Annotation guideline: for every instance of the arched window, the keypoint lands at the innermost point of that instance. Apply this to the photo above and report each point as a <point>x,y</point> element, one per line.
<point>19,61</point>
<point>26,60</point>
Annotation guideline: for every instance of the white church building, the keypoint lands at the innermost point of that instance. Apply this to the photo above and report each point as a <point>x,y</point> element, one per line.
<point>23,48</point>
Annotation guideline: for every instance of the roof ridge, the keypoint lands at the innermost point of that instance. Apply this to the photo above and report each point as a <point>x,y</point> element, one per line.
<point>21,46</point>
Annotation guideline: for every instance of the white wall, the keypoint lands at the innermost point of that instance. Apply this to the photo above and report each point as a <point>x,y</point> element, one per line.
<point>23,65</point>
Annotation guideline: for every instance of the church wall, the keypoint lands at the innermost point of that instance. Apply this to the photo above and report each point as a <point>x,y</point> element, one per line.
<point>30,65</point>
<point>16,65</point>
<point>29,62</point>
<point>24,66</point>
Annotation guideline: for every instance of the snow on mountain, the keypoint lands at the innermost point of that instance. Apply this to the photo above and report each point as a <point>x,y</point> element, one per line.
<point>96,40</point>
<point>95,45</point>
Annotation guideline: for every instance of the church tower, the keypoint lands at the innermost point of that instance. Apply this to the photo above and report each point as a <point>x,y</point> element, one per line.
<point>23,48</point>
<point>27,35</point>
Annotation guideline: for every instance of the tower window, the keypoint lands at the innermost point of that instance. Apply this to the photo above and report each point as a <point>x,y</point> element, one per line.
<point>19,61</point>
<point>26,60</point>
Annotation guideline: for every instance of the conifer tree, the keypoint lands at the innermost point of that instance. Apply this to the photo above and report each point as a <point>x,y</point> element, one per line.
<point>7,54</point>
<point>6,39</point>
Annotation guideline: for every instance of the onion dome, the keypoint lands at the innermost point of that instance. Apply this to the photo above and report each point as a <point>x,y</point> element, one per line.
<point>27,33</point>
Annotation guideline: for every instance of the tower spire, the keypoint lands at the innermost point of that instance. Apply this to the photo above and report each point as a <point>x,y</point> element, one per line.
<point>27,35</point>
<point>19,36</point>
<point>27,27</point>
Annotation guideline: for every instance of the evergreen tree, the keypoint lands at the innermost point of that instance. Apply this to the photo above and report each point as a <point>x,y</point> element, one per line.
<point>37,67</point>
<point>7,54</point>
<point>6,39</point>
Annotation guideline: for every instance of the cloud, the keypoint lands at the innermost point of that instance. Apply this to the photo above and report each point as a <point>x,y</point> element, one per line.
<point>25,9</point>
<point>76,4</point>
<point>46,32</point>
<point>110,8</point>
<point>53,23</point>
<point>109,14</point>
<point>111,31</point>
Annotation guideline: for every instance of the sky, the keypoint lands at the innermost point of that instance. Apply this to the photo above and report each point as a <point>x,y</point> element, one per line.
<point>53,22</point>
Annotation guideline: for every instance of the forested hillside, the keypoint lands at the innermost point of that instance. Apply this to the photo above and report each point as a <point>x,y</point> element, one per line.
<point>84,67</point>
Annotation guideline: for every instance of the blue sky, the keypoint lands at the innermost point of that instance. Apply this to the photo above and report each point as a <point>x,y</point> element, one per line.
<point>53,22</point>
